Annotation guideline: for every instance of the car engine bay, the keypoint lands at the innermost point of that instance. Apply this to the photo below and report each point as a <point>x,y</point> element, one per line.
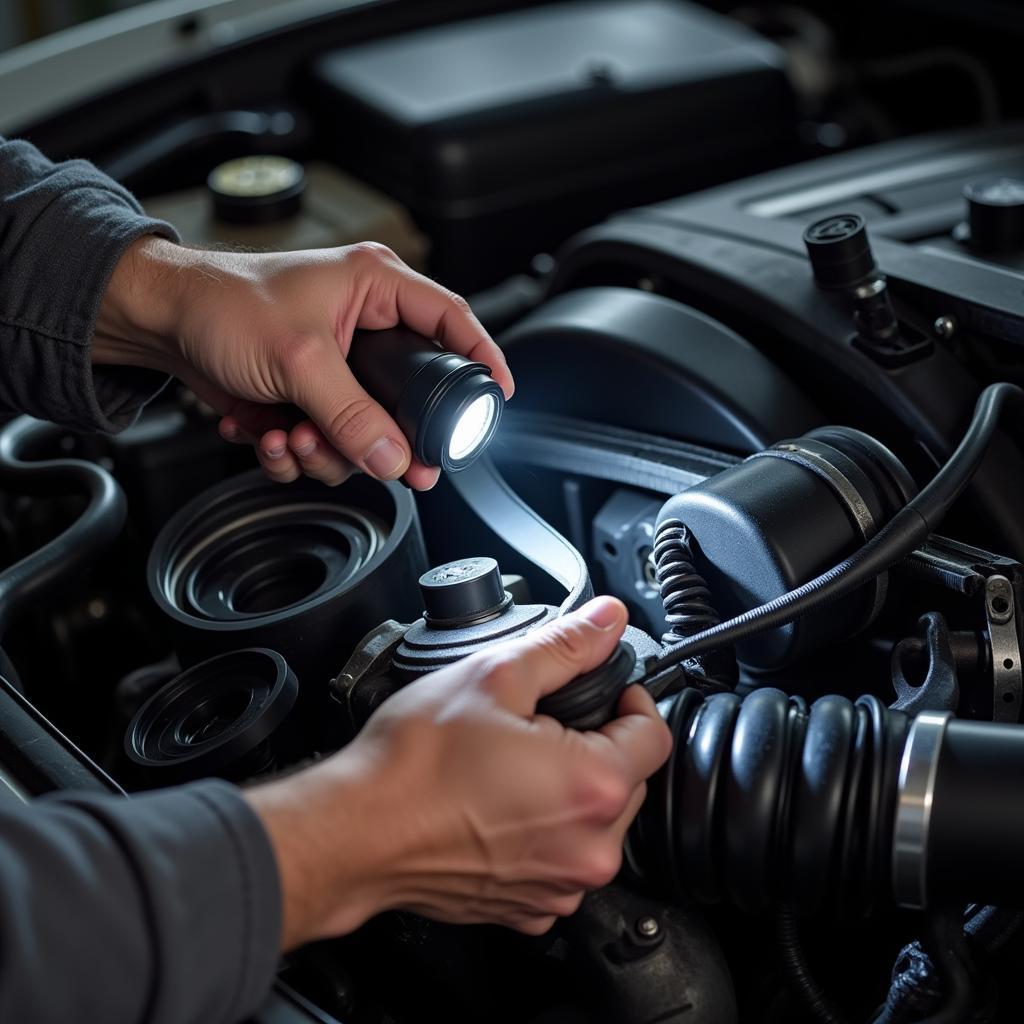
<point>761,285</point>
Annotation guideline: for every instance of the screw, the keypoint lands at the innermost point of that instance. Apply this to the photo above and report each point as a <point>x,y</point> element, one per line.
<point>944,327</point>
<point>647,927</point>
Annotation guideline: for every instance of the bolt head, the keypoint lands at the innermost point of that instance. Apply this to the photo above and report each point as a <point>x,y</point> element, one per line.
<point>647,927</point>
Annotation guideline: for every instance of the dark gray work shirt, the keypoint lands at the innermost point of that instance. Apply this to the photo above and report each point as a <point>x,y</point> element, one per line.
<point>164,908</point>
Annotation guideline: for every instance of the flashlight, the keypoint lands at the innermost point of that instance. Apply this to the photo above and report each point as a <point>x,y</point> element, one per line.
<point>446,405</point>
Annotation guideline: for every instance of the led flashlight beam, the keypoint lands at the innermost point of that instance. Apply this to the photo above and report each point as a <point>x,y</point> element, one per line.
<point>447,406</point>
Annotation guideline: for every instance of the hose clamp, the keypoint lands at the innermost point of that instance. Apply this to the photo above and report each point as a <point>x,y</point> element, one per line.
<point>847,493</point>
<point>918,770</point>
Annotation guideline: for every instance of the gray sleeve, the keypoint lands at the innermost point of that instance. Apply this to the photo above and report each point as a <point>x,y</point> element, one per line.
<point>63,227</point>
<point>164,908</point>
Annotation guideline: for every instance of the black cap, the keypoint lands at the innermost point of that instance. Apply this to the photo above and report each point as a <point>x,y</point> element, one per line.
<point>840,251</point>
<point>213,718</point>
<point>463,592</point>
<point>256,189</point>
<point>995,214</point>
<point>591,700</point>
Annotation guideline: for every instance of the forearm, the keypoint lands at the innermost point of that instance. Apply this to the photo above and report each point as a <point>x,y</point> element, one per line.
<point>162,908</point>
<point>139,322</point>
<point>63,230</point>
<point>335,832</point>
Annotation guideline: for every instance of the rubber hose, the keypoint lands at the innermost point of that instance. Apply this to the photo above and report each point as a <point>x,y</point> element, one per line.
<point>74,549</point>
<point>764,801</point>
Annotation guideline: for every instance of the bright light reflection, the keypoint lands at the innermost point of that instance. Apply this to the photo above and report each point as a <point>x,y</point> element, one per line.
<point>471,430</point>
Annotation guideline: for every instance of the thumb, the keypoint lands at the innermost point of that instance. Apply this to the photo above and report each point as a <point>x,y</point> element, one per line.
<point>545,660</point>
<point>357,426</point>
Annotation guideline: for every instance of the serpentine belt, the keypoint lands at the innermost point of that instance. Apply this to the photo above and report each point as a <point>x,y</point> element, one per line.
<point>583,449</point>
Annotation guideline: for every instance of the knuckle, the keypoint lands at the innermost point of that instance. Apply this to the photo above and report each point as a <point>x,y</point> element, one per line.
<point>352,422</point>
<point>298,355</point>
<point>607,794</point>
<point>460,304</point>
<point>370,252</point>
<point>499,675</point>
<point>601,865</point>
<point>567,642</point>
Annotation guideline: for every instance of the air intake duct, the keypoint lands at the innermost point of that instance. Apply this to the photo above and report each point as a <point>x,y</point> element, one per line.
<point>836,807</point>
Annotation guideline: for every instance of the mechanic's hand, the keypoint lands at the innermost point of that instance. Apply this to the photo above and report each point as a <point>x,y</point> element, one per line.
<point>257,334</point>
<point>458,802</point>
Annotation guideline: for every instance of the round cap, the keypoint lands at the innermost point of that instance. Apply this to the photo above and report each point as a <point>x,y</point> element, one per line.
<point>207,720</point>
<point>462,591</point>
<point>589,701</point>
<point>256,189</point>
<point>839,250</point>
<point>995,214</point>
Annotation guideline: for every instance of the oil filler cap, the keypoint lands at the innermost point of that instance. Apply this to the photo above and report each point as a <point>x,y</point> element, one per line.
<point>463,592</point>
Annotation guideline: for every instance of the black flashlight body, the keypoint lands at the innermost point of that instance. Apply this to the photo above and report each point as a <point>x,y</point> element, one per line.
<point>424,388</point>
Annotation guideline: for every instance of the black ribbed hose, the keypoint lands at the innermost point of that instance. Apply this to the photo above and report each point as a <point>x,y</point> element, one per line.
<point>905,531</point>
<point>764,801</point>
<point>687,599</point>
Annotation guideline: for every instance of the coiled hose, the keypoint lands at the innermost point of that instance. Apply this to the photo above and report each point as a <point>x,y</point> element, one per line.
<point>684,592</point>
<point>688,602</point>
<point>908,528</point>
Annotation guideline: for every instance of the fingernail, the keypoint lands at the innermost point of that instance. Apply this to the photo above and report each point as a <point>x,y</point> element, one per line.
<point>385,459</point>
<point>229,432</point>
<point>274,453</point>
<point>602,613</point>
<point>305,449</point>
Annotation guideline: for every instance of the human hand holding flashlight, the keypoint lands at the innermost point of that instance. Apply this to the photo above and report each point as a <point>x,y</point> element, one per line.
<point>257,334</point>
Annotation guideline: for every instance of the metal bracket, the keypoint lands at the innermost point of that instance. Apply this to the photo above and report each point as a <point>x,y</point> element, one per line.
<point>940,689</point>
<point>373,655</point>
<point>1000,612</point>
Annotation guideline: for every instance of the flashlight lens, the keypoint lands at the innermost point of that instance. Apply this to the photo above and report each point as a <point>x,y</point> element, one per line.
<point>473,427</point>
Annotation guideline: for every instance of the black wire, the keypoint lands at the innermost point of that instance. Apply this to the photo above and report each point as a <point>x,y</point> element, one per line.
<point>905,531</point>
<point>798,970</point>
